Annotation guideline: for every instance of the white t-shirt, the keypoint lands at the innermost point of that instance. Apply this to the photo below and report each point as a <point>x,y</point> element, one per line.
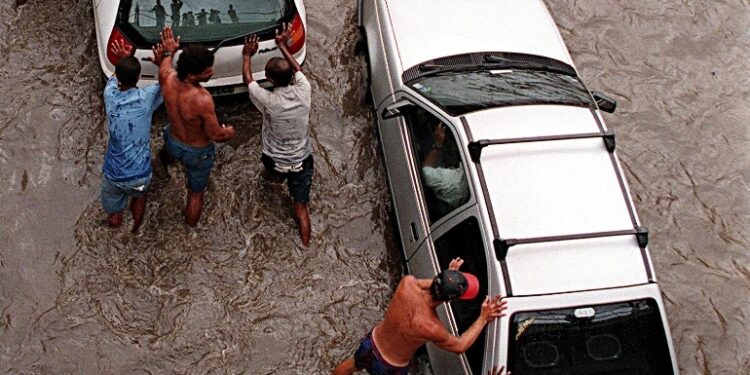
<point>448,184</point>
<point>286,120</point>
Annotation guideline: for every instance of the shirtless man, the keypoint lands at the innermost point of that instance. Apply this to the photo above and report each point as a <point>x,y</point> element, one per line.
<point>193,124</point>
<point>411,321</point>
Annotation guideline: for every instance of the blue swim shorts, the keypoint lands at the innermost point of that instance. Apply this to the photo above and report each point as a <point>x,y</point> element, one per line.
<point>198,161</point>
<point>298,183</point>
<point>115,194</point>
<point>368,358</point>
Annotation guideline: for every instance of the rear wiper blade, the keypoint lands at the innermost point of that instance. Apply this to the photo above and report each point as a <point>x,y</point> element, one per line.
<point>510,63</point>
<point>263,30</point>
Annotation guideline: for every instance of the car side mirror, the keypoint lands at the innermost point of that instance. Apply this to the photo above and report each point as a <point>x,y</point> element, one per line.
<point>396,109</point>
<point>605,103</point>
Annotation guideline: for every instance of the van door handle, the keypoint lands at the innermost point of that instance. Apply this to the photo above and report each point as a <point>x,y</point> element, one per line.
<point>414,233</point>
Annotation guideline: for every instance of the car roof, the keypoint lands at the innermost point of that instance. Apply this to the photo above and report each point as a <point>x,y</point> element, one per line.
<point>557,188</point>
<point>430,29</point>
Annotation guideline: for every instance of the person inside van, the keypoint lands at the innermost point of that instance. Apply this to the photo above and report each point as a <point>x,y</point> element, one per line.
<point>442,172</point>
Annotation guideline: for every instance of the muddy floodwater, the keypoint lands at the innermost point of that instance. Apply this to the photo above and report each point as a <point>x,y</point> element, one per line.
<point>239,295</point>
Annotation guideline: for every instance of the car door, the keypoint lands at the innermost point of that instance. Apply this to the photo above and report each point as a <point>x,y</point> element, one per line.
<point>401,177</point>
<point>461,237</point>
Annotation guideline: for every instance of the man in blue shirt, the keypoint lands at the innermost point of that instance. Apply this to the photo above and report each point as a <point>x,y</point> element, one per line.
<point>127,162</point>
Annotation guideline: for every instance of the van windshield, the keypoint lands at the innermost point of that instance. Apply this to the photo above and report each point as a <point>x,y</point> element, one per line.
<point>464,91</point>
<point>620,338</point>
<point>198,20</point>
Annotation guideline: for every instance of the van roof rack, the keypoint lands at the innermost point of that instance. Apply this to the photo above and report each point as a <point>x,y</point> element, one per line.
<point>502,245</point>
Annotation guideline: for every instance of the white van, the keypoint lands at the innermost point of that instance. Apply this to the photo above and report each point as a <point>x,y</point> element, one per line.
<point>496,152</point>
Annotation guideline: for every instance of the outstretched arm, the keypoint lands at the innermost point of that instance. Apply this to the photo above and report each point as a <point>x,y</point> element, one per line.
<point>169,46</point>
<point>282,38</point>
<point>248,51</point>
<point>491,310</point>
<point>438,137</point>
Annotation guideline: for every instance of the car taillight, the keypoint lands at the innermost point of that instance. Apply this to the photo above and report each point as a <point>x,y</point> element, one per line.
<point>297,36</point>
<point>116,35</point>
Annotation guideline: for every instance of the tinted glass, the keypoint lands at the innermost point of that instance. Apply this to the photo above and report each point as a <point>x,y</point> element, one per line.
<point>465,241</point>
<point>621,338</point>
<point>201,20</point>
<point>440,165</point>
<point>462,92</point>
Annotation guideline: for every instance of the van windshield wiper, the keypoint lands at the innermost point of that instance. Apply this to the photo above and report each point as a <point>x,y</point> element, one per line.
<point>437,69</point>
<point>532,65</point>
<point>430,70</point>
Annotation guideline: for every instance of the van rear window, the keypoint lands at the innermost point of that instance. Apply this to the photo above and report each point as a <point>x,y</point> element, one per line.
<point>620,338</point>
<point>202,21</point>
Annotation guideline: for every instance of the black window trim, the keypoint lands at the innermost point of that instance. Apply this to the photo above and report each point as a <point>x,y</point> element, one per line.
<point>465,158</point>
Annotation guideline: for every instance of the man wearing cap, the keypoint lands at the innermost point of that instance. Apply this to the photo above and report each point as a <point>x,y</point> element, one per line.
<point>411,321</point>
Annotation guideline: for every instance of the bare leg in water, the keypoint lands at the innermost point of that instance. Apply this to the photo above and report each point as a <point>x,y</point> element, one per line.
<point>138,207</point>
<point>194,208</point>
<point>303,219</point>
<point>345,368</point>
<point>115,220</point>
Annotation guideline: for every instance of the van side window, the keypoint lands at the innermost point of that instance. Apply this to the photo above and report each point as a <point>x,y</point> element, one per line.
<point>439,160</point>
<point>465,241</point>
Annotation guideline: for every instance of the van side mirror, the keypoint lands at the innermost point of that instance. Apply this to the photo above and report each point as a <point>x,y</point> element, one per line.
<point>396,109</point>
<point>605,103</point>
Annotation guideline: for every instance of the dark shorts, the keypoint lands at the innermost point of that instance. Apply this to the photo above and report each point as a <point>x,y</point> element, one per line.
<point>115,194</point>
<point>198,161</point>
<point>299,183</point>
<point>368,358</point>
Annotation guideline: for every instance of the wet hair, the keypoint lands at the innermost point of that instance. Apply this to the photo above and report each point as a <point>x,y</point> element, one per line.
<point>128,71</point>
<point>195,59</point>
<point>280,71</point>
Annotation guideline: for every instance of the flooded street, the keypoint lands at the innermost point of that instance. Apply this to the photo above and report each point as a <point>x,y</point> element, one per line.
<point>239,295</point>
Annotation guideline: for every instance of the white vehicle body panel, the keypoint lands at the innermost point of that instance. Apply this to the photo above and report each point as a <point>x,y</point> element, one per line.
<point>527,190</point>
<point>227,62</point>
<point>449,27</point>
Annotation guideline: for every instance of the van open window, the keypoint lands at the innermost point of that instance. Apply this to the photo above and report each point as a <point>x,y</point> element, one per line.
<point>618,338</point>
<point>441,168</point>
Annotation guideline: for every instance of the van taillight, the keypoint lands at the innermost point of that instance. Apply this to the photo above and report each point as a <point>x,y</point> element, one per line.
<point>297,36</point>
<point>116,35</point>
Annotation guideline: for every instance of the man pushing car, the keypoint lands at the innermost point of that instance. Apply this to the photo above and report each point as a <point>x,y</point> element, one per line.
<point>287,151</point>
<point>411,321</point>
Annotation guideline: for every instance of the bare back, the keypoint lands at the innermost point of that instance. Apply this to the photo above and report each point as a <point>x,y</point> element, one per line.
<point>189,108</point>
<point>409,322</point>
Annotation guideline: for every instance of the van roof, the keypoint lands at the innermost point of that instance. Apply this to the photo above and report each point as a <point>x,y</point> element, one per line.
<point>565,201</point>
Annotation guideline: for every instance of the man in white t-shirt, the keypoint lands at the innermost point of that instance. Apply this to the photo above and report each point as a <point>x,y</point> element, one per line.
<point>287,151</point>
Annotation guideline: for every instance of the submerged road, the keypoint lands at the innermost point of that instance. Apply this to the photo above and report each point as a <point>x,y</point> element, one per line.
<point>238,295</point>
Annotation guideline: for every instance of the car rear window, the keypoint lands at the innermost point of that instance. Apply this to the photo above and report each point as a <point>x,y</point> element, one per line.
<point>619,338</point>
<point>202,21</point>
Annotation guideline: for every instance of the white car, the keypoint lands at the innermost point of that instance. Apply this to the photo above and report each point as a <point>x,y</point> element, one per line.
<point>522,181</point>
<point>212,23</point>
